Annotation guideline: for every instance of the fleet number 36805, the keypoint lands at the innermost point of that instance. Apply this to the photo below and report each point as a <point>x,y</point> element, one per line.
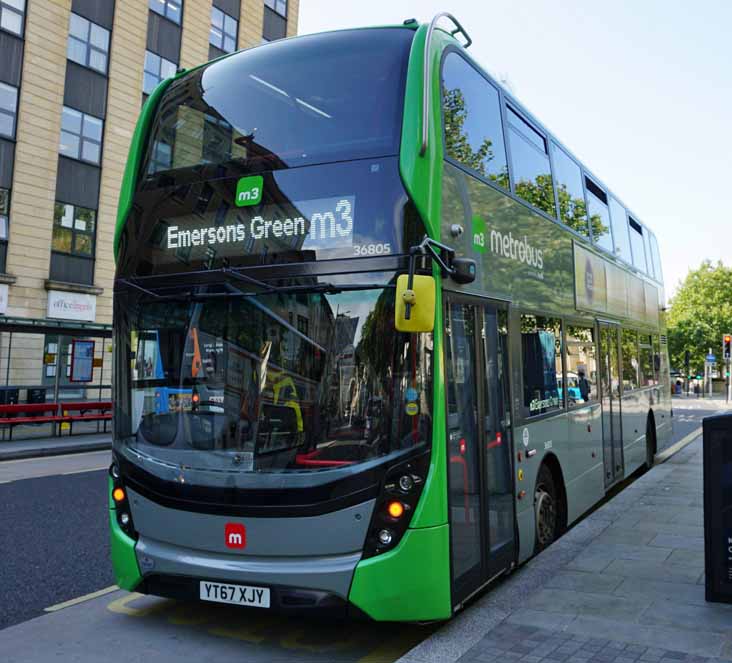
<point>372,249</point>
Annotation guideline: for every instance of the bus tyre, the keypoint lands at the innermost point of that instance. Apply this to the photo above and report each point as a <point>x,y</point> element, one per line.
<point>650,442</point>
<point>546,509</point>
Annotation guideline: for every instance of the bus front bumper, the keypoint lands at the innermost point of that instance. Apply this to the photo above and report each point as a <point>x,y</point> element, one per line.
<point>296,584</point>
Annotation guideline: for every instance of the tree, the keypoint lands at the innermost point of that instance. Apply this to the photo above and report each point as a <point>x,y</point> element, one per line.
<point>699,314</point>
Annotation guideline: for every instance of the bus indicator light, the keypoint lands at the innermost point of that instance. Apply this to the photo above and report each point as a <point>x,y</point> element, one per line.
<point>118,495</point>
<point>395,509</point>
<point>235,536</point>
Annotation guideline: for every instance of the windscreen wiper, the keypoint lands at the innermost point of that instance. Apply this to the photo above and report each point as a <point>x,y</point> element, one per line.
<point>234,289</point>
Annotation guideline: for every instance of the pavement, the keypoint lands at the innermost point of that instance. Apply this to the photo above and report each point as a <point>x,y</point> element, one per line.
<point>625,585</point>
<point>54,446</point>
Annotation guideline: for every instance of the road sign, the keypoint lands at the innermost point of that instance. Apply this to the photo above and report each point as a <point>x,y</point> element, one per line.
<point>710,359</point>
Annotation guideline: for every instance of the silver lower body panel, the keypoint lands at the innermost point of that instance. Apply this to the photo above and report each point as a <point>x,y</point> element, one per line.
<point>331,573</point>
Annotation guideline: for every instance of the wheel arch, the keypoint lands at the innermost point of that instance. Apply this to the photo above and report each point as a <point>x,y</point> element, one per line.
<point>555,467</point>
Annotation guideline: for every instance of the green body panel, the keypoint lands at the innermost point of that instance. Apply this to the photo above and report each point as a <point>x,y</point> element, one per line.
<point>422,175</point>
<point>422,178</point>
<point>124,560</point>
<point>431,509</point>
<point>410,583</point>
<point>403,584</point>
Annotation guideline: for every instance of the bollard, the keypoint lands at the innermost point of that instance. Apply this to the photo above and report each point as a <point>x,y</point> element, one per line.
<point>718,508</point>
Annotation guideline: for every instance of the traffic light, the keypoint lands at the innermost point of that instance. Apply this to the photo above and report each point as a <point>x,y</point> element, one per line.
<point>727,346</point>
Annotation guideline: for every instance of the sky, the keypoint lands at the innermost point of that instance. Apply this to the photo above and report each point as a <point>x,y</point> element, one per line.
<point>640,92</point>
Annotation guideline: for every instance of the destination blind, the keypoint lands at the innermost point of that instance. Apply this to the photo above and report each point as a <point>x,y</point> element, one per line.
<point>323,223</point>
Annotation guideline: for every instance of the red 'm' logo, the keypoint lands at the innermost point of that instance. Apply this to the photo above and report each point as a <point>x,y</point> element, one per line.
<point>235,535</point>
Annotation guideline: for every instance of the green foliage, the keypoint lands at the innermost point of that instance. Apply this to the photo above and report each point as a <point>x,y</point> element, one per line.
<point>699,314</point>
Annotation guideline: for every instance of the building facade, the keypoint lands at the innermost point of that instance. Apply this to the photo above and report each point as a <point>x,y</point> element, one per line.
<point>73,75</point>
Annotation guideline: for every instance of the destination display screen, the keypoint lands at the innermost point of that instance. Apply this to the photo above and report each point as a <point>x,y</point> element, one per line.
<point>323,223</point>
<point>357,209</point>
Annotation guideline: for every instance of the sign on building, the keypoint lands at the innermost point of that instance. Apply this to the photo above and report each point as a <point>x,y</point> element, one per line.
<point>72,306</point>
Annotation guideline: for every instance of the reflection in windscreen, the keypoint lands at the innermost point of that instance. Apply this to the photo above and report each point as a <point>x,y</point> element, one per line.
<point>281,382</point>
<point>314,99</point>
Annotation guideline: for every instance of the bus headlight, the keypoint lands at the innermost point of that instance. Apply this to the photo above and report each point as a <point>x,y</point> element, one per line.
<point>385,537</point>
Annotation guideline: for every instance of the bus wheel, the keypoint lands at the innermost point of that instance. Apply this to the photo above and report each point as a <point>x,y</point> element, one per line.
<point>650,442</point>
<point>546,509</point>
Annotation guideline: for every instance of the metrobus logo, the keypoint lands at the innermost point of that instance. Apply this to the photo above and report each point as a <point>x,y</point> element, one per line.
<point>249,191</point>
<point>235,536</point>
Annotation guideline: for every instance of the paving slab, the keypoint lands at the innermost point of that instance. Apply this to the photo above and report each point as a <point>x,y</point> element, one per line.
<point>627,588</point>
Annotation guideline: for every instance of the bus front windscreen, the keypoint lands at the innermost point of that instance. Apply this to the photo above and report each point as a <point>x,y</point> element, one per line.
<point>315,99</point>
<point>285,382</point>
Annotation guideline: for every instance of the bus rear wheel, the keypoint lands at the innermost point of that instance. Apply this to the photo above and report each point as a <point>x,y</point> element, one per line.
<point>546,508</point>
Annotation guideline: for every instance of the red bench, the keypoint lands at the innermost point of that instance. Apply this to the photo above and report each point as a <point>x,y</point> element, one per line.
<point>86,411</point>
<point>29,413</point>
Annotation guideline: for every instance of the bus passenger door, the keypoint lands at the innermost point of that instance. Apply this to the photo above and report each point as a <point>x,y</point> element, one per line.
<point>612,427</point>
<point>480,491</point>
<point>498,475</point>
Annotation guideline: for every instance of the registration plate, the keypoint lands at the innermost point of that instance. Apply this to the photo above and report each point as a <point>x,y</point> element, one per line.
<point>255,597</point>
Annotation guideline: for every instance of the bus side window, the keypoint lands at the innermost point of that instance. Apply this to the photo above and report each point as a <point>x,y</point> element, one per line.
<point>472,117</point>
<point>541,353</point>
<point>581,387</point>
<point>647,372</point>
<point>630,359</point>
<point>532,176</point>
<point>599,216</point>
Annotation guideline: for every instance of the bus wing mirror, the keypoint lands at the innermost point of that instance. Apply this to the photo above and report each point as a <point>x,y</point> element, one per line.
<point>415,306</point>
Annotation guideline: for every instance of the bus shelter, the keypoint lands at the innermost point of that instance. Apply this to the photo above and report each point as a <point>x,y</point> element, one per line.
<point>46,361</point>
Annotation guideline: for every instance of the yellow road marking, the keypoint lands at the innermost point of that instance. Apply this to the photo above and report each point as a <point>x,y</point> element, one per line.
<point>395,648</point>
<point>121,607</point>
<point>81,599</point>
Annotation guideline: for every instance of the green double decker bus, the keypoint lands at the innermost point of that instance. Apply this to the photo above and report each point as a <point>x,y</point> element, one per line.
<point>379,336</point>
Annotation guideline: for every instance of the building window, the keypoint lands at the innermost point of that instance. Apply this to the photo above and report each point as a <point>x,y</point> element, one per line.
<point>88,43</point>
<point>73,230</point>
<point>11,16</point>
<point>171,9</point>
<point>472,116</point>
<point>8,109</point>
<point>4,216</point>
<point>279,6</point>
<point>541,350</point>
<point>81,136</point>
<point>161,157</point>
<point>157,69</point>
<point>532,177</point>
<point>223,31</point>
